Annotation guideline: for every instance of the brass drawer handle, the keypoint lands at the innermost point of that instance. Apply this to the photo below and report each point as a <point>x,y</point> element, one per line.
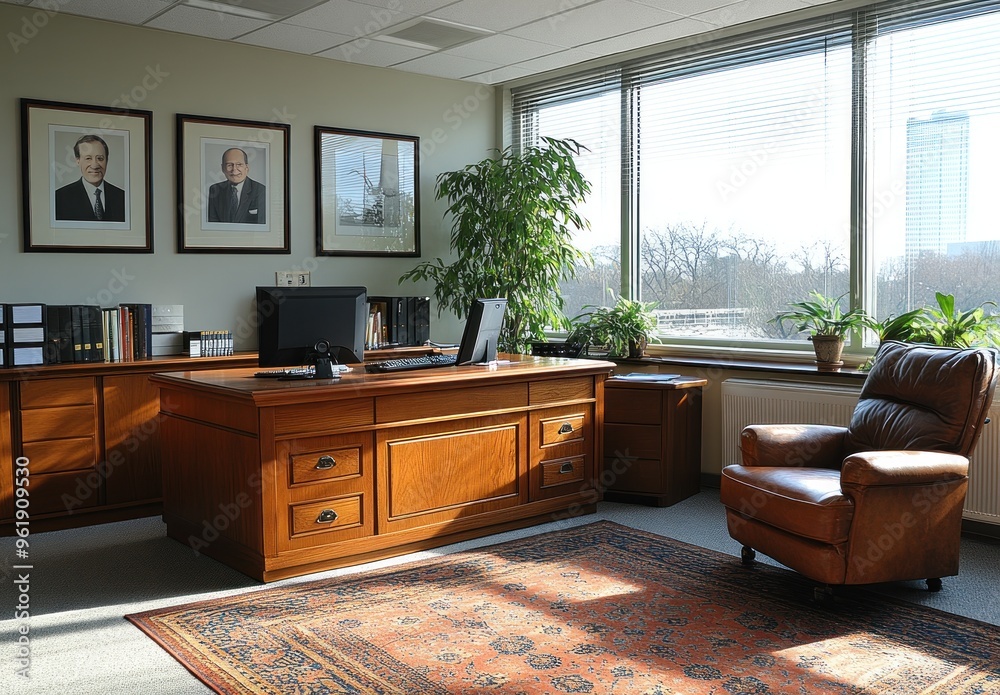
<point>566,428</point>
<point>566,468</point>
<point>327,516</point>
<point>325,463</point>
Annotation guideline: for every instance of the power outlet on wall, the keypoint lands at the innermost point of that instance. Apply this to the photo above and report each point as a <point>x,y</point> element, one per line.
<point>292,278</point>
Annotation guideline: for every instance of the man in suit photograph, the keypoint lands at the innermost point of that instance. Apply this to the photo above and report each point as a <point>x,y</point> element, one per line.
<point>238,199</point>
<point>91,198</point>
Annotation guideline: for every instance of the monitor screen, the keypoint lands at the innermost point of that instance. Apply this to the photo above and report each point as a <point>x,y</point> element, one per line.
<point>482,331</point>
<point>294,319</point>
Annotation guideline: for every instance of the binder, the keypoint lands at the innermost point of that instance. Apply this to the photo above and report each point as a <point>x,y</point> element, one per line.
<point>3,337</point>
<point>422,321</point>
<point>25,334</point>
<point>59,334</point>
<point>93,333</point>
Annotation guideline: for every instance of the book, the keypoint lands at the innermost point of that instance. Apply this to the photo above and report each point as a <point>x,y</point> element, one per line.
<point>647,376</point>
<point>25,334</point>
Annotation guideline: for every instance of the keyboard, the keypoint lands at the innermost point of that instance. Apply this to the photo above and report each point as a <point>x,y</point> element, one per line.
<point>404,364</point>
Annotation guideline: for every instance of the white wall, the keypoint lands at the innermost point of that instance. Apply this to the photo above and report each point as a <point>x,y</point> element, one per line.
<point>77,60</point>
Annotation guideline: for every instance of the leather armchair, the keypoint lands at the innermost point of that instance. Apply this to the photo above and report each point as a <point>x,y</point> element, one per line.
<point>880,500</point>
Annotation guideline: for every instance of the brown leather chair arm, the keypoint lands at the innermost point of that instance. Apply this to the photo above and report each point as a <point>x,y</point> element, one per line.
<point>874,468</point>
<point>815,446</point>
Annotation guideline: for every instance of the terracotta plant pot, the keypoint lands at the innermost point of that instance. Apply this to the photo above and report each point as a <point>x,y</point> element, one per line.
<point>828,348</point>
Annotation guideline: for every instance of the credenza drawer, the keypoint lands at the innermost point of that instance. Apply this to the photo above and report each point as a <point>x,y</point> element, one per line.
<point>49,393</point>
<point>330,516</point>
<point>634,406</point>
<point>56,455</point>
<point>643,441</point>
<point>58,423</point>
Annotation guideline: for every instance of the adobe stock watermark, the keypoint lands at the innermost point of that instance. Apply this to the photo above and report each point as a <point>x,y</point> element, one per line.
<point>32,24</point>
<point>22,569</point>
<point>454,117</point>
<point>228,512</point>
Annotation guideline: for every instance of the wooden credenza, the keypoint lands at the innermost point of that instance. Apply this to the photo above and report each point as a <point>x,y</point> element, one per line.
<point>652,440</point>
<point>279,479</point>
<point>91,435</point>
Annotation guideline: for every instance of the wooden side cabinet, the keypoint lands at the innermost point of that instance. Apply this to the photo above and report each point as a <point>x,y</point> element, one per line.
<point>652,440</point>
<point>91,435</point>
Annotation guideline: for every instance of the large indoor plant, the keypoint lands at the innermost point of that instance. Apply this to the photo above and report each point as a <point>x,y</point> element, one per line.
<point>625,328</point>
<point>826,323</point>
<point>514,217</point>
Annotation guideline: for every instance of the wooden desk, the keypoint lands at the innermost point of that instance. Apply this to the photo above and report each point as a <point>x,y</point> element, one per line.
<point>283,478</point>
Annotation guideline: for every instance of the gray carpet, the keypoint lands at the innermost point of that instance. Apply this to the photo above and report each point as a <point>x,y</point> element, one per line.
<point>85,580</point>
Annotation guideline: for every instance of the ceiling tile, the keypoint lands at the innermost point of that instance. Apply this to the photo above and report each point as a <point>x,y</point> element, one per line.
<point>293,38</point>
<point>216,25</point>
<point>503,74</point>
<point>500,48</point>
<point>741,12</point>
<point>649,37</point>
<point>441,65</point>
<point>686,8</point>
<point>593,22</point>
<point>499,16</point>
<point>372,52</point>
<point>414,7</point>
<point>553,61</point>
<point>350,18</point>
<point>133,12</point>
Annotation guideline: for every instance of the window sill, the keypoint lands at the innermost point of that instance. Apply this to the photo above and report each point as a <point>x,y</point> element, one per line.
<point>798,368</point>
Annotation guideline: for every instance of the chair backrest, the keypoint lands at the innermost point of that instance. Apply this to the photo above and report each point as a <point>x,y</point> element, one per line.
<point>925,398</point>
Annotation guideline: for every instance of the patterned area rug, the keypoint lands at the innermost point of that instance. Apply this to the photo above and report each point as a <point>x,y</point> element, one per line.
<point>600,608</point>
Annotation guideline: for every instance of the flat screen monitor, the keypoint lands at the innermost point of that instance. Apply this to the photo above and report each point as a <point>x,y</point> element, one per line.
<point>482,331</point>
<point>293,320</point>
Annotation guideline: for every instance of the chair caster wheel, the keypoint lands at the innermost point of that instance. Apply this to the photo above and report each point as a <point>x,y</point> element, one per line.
<point>934,584</point>
<point>747,555</point>
<point>823,595</point>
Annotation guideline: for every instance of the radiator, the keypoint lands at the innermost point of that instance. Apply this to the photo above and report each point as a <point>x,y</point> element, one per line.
<point>762,402</point>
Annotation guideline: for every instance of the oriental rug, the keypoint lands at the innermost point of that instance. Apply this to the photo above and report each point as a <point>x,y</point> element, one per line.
<point>600,608</point>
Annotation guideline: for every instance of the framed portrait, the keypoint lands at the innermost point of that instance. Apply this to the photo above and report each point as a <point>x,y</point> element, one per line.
<point>367,193</point>
<point>85,178</point>
<point>232,186</point>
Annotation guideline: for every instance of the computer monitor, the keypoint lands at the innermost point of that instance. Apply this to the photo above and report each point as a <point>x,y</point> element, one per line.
<point>482,331</point>
<point>295,320</point>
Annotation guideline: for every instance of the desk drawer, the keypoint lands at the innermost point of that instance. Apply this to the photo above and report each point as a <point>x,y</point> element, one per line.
<point>562,429</point>
<point>563,472</point>
<point>330,516</point>
<point>341,458</point>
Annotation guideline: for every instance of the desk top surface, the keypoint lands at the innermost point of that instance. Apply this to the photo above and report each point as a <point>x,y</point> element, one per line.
<point>241,383</point>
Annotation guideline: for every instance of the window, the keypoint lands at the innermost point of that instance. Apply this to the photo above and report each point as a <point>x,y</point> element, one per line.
<point>851,155</point>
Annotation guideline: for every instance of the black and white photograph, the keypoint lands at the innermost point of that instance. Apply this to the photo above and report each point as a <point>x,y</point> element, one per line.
<point>232,186</point>
<point>94,165</point>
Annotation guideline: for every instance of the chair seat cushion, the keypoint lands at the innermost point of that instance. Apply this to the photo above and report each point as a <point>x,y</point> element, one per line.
<point>806,502</point>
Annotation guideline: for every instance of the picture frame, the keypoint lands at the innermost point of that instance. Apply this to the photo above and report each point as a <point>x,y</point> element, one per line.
<point>367,193</point>
<point>232,185</point>
<point>86,178</point>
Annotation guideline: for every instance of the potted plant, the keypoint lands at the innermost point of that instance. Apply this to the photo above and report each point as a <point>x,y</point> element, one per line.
<point>625,328</point>
<point>514,217</point>
<point>826,323</point>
